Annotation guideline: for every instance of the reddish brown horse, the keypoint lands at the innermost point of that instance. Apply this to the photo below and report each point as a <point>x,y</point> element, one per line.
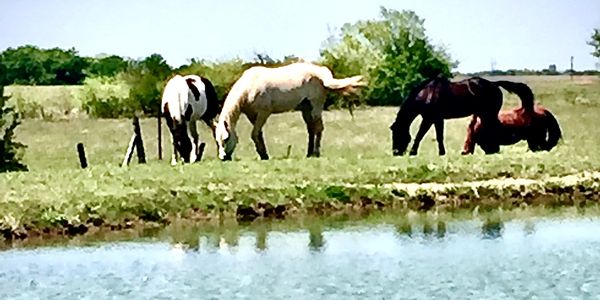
<point>536,125</point>
<point>437,99</point>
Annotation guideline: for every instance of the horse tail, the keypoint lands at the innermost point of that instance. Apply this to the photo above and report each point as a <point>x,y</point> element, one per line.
<point>522,90</point>
<point>344,85</point>
<point>213,105</point>
<point>554,131</point>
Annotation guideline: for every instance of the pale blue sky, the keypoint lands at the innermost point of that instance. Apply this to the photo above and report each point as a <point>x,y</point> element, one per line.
<point>513,33</point>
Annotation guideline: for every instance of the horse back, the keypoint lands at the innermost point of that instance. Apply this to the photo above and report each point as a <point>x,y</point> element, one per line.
<point>470,96</point>
<point>280,94</point>
<point>196,97</point>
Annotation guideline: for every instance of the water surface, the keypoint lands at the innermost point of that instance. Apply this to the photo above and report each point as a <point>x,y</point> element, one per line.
<point>543,259</point>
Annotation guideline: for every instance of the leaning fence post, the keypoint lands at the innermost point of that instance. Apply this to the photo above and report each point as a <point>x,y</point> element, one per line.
<point>129,152</point>
<point>139,143</point>
<point>82,159</point>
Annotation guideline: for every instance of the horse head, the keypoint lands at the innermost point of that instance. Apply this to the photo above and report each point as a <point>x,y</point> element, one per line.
<point>226,140</point>
<point>400,138</point>
<point>181,140</point>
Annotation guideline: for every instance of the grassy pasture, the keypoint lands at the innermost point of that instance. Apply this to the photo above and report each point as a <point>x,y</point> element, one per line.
<point>356,151</point>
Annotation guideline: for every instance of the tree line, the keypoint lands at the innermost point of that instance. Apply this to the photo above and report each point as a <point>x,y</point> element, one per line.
<point>392,51</point>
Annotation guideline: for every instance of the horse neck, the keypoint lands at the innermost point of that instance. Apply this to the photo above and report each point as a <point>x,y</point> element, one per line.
<point>406,116</point>
<point>231,113</point>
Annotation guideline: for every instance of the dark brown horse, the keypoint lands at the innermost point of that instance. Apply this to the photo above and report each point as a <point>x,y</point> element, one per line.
<point>437,99</point>
<point>538,127</point>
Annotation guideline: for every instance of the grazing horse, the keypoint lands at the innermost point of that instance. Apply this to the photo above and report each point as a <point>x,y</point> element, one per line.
<point>537,126</point>
<point>263,91</point>
<point>437,99</point>
<point>185,100</point>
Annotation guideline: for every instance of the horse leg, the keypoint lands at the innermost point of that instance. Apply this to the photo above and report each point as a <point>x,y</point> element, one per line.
<point>193,131</point>
<point>310,128</point>
<point>257,135</point>
<point>174,153</point>
<point>212,124</point>
<point>318,128</point>
<point>469,146</point>
<point>423,128</point>
<point>439,135</point>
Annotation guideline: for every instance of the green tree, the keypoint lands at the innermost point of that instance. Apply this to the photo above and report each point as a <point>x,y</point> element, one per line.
<point>10,151</point>
<point>108,66</point>
<point>392,52</point>
<point>32,65</point>
<point>147,79</point>
<point>595,42</point>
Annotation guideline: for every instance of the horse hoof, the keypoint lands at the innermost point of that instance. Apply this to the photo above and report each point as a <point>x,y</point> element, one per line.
<point>397,152</point>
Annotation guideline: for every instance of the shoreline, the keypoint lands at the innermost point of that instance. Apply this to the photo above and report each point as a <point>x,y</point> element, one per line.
<point>245,206</point>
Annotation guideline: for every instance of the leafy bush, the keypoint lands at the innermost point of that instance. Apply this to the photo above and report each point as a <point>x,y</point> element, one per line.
<point>392,52</point>
<point>222,74</point>
<point>10,151</point>
<point>107,97</point>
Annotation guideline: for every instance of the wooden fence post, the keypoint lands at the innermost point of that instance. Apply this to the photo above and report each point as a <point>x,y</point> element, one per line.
<point>136,143</point>
<point>139,143</point>
<point>82,158</point>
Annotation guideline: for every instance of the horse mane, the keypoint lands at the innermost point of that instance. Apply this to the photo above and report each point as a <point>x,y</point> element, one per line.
<point>232,106</point>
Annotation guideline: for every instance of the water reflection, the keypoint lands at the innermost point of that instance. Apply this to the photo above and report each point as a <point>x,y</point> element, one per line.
<point>492,229</point>
<point>316,241</point>
<point>398,259</point>
<point>226,237</point>
<point>441,229</point>
<point>261,231</point>
<point>430,228</point>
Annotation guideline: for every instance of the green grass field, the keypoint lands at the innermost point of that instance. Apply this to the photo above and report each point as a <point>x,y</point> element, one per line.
<point>356,151</point>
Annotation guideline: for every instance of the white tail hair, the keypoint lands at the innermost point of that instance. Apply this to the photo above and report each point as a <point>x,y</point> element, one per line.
<point>343,84</point>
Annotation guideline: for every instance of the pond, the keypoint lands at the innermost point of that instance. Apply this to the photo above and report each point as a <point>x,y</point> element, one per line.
<point>542,258</point>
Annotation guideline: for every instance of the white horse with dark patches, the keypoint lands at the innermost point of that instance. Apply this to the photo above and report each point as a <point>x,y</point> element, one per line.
<point>185,100</point>
<point>262,91</point>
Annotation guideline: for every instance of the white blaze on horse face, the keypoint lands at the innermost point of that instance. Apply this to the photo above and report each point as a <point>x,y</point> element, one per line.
<point>226,141</point>
<point>221,135</point>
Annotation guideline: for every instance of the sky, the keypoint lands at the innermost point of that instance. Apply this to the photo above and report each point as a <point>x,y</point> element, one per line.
<point>511,34</point>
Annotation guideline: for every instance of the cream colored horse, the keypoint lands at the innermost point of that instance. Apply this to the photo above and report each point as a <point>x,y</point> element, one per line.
<point>262,91</point>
